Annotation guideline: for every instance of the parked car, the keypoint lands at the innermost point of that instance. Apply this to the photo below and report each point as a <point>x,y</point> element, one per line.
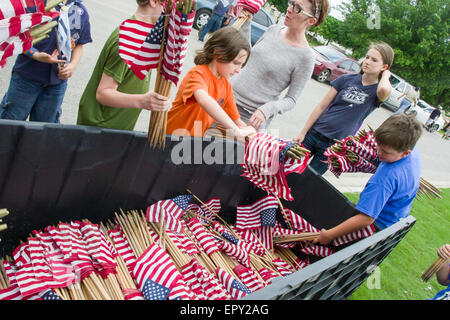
<point>330,63</point>
<point>399,86</point>
<point>422,112</point>
<point>260,22</point>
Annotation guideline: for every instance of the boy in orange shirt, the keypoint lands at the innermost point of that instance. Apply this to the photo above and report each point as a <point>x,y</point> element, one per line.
<point>205,94</point>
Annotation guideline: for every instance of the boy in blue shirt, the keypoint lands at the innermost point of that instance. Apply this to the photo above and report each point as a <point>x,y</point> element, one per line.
<point>39,76</point>
<point>388,195</point>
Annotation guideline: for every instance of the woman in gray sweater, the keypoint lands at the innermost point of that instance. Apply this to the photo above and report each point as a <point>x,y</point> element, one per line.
<point>282,58</point>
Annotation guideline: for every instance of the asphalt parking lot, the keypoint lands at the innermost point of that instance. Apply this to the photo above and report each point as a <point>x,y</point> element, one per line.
<point>105,16</point>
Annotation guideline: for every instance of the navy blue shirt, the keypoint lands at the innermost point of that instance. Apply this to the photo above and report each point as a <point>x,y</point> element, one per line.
<point>47,74</point>
<point>353,103</point>
<point>221,9</point>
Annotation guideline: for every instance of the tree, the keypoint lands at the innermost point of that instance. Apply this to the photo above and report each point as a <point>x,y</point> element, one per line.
<point>417,30</point>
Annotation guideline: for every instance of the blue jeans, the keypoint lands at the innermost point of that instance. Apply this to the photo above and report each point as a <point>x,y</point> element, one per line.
<point>29,98</point>
<point>317,145</point>
<point>403,105</point>
<point>214,24</point>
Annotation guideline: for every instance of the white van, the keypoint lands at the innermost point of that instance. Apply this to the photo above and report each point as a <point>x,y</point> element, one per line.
<point>399,86</point>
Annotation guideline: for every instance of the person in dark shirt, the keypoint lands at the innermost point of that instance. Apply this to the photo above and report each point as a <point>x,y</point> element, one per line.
<point>220,11</point>
<point>39,76</point>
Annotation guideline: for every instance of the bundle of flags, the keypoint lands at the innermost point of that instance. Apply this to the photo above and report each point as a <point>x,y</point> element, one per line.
<point>251,5</point>
<point>140,43</point>
<point>179,27</point>
<point>353,154</point>
<point>17,18</point>
<point>139,255</point>
<point>266,165</point>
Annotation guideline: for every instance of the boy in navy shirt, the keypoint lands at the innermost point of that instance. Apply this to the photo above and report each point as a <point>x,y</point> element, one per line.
<point>388,195</point>
<point>39,76</point>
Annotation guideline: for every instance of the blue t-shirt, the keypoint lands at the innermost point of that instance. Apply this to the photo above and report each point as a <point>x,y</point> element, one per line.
<point>352,104</point>
<point>389,193</point>
<point>443,294</point>
<point>45,73</point>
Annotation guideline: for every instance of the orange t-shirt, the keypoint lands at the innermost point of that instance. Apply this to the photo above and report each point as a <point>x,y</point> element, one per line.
<point>186,111</point>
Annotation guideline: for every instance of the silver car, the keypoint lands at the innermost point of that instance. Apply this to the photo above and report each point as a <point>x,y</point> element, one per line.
<point>399,87</point>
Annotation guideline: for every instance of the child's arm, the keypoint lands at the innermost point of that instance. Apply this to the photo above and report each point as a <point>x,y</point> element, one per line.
<point>443,273</point>
<point>384,86</point>
<point>218,114</point>
<point>350,225</point>
<point>67,70</point>
<point>316,113</point>
<point>108,95</point>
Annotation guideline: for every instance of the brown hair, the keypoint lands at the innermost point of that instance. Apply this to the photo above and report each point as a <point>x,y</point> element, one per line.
<point>399,132</point>
<point>142,3</point>
<point>386,52</point>
<point>224,45</point>
<point>320,9</point>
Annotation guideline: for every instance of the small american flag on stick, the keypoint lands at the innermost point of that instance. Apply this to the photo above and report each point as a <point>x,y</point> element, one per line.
<point>249,216</point>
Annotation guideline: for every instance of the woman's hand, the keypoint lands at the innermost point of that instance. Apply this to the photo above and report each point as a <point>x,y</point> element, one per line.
<point>257,119</point>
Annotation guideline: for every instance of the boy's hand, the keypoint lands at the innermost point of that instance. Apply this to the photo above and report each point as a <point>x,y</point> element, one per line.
<point>66,71</point>
<point>48,58</point>
<point>444,251</point>
<point>155,102</point>
<point>324,238</point>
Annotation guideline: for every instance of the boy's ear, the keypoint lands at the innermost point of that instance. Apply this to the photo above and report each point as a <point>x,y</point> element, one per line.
<point>406,153</point>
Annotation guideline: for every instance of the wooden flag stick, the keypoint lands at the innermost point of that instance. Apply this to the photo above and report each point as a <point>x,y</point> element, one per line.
<point>284,213</point>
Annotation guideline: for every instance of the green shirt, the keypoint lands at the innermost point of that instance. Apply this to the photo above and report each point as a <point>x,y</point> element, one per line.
<point>91,112</point>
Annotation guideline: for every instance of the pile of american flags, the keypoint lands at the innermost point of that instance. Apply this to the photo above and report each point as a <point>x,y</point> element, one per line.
<point>353,154</point>
<point>252,6</point>
<point>178,249</point>
<point>22,24</point>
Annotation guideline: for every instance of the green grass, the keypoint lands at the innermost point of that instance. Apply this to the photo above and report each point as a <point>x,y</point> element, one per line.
<point>400,273</point>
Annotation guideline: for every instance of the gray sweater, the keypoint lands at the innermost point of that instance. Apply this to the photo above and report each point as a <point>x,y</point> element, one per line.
<point>272,67</point>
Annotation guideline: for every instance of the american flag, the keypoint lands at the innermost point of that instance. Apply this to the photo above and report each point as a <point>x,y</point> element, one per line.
<point>265,236</point>
<point>172,210</point>
<point>267,274</point>
<point>249,216</point>
<point>302,263</point>
<point>298,223</point>
<point>360,149</point>
<point>64,274</point>
<point>155,273</point>
<point>236,289</point>
<point>237,252</point>
<point>140,45</point>
<point>179,28</point>
<point>248,278</point>
<point>203,283</point>
<point>181,291</point>
<point>16,18</point>
<point>12,8</point>
<point>99,248</point>
<point>317,250</point>
<point>49,295</point>
<point>183,243</point>
<point>249,237</point>
<point>209,209</point>
<point>27,281</point>
<point>252,5</point>
<point>283,267</point>
<point>206,240</point>
<point>266,166</point>
<point>123,247</point>
<point>219,228</point>
<point>13,291</point>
